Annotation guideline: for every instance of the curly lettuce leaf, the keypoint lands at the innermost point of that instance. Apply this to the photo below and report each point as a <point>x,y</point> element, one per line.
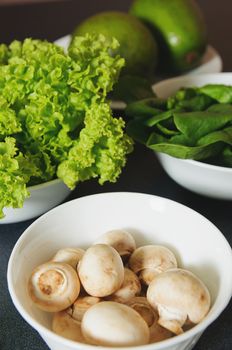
<point>95,69</point>
<point>9,124</point>
<point>54,106</point>
<point>100,150</point>
<point>15,171</point>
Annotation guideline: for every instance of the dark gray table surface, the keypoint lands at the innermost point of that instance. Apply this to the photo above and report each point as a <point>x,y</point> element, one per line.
<point>142,172</point>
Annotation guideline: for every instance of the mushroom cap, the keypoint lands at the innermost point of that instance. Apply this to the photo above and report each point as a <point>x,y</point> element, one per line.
<point>130,287</point>
<point>149,260</point>
<point>178,295</point>
<point>81,305</point>
<point>53,286</point>
<point>113,324</point>
<point>64,325</point>
<point>101,270</point>
<point>69,256</point>
<point>120,240</point>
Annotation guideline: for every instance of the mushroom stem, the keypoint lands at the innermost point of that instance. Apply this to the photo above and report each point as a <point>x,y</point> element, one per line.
<point>173,320</point>
<point>130,287</point>
<point>150,260</point>
<point>81,305</point>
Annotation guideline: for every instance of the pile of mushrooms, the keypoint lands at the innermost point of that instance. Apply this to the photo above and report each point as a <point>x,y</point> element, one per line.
<point>114,294</point>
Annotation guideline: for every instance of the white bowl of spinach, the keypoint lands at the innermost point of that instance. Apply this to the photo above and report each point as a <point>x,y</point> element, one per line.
<point>188,123</point>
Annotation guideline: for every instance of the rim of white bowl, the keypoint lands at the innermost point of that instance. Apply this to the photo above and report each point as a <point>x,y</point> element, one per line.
<point>198,163</point>
<point>197,329</point>
<point>190,78</point>
<point>44,184</point>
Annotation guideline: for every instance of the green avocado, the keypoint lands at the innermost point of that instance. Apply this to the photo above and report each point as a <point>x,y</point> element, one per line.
<point>137,44</point>
<point>179,28</point>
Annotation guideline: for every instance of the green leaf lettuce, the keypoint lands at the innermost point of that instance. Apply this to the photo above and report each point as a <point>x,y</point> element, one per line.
<point>55,117</point>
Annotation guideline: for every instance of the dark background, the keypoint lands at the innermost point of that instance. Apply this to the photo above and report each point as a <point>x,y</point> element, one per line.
<point>51,20</point>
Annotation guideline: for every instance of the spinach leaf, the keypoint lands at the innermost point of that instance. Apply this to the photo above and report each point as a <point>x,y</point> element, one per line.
<point>220,108</point>
<point>155,119</point>
<point>221,93</point>
<point>182,94</point>
<point>195,123</point>
<point>146,107</point>
<point>132,88</point>
<point>227,156</point>
<point>197,103</point>
<point>157,143</point>
<point>138,131</point>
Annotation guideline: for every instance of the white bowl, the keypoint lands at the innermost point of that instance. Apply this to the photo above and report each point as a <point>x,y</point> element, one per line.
<point>205,179</point>
<point>42,198</point>
<point>197,243</point>
<point>211,61</point>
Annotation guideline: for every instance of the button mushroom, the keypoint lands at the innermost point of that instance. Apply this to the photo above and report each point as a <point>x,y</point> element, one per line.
<point>150,260</point>
<point>179,297</point>
<point>69,256</point>
<point>120,240</point>
<point>81,305</point>
<point>101,270</point>
<point>53,286</point>
<point>159,333</point>
<point>114,324</point>
<point>64,325</point>
<point>141,305</point>
<point>130,287</point>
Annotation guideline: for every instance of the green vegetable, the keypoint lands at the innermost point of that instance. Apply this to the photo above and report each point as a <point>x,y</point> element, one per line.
<point>195,123</point>
<point>55,118</point>
<point>221,93</point>
<point>99,151</point>
<point>131,88</point>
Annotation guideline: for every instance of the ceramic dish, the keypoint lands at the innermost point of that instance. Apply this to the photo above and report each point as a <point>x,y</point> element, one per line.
<point>42,198</point>
<point>151,220</point>
<point>205,179</point>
